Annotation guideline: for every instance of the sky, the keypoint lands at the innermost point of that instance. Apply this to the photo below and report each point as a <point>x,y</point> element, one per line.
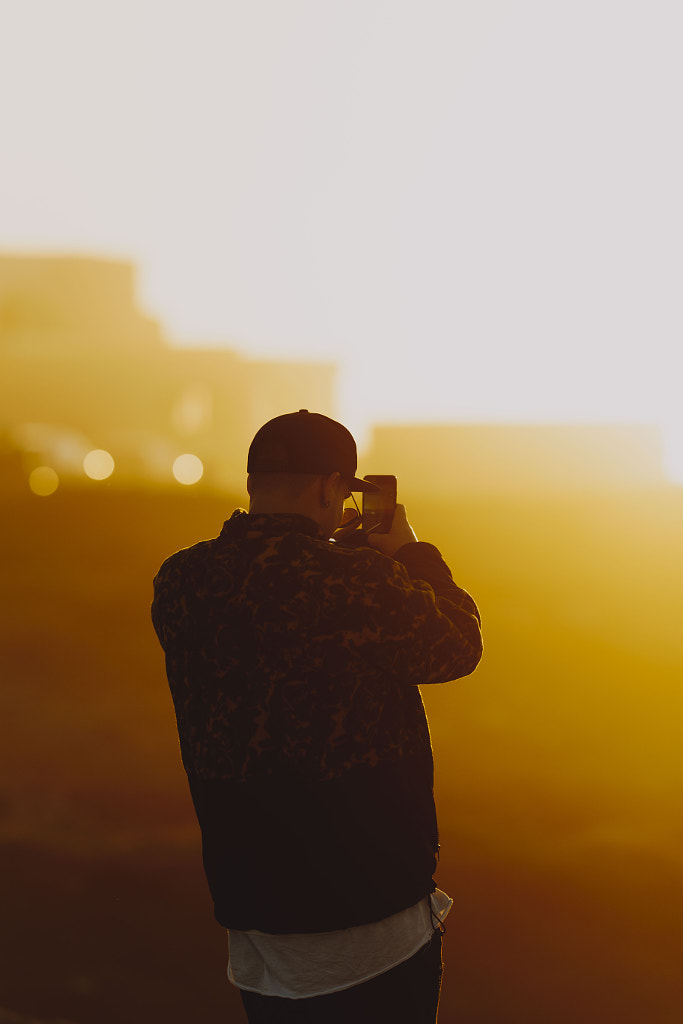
<point>474,207</point>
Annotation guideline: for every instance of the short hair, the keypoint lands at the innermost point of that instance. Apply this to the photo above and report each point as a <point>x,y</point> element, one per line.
<point>292,484</point>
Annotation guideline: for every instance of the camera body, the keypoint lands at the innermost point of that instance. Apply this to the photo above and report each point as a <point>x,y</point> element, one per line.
<point>379,505</point>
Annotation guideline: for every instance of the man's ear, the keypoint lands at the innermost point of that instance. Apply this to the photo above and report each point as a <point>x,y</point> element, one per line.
<point>329,484</point>
<point>249,484</point>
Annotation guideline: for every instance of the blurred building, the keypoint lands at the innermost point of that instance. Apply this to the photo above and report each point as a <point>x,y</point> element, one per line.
<point>82,367</point>
<point>517,459</point>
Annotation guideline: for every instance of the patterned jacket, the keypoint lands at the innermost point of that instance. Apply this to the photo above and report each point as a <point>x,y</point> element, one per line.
<point>294,666</point>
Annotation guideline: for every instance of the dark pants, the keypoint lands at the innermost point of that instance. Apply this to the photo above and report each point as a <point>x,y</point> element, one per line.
<point>408,994</point>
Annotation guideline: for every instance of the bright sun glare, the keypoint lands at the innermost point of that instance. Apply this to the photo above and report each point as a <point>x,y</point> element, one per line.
<point>672,439</point>
<point>477,215</point>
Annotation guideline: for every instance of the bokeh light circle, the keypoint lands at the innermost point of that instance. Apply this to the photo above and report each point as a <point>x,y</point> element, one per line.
<point>98,464</point>
<point>43,481</point>
<point>188,469</point>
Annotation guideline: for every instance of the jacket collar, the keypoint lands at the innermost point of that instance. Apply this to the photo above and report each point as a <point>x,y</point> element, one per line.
<point>244,524</point>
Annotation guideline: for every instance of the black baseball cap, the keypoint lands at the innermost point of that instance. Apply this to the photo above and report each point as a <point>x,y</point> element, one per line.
<point>306,442</point>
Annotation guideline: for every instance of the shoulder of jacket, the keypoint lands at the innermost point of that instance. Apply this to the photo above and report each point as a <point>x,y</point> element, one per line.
<point>180,560</point>
<point>368,560</point>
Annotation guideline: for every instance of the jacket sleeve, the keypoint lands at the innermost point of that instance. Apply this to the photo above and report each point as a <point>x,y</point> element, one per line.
<point>434,624</point>
<point>164,602</point>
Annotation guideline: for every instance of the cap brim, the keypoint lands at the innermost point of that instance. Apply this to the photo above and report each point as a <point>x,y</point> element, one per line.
<point>362,485</point>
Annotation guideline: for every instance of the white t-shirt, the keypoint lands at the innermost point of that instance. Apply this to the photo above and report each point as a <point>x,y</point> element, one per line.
<point>300,966</point>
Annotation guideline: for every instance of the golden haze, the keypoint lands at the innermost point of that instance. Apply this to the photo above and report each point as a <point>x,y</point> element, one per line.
<point>559,762</point>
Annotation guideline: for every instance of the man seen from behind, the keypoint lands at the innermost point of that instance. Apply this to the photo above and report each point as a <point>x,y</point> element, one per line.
<point>294,661</point>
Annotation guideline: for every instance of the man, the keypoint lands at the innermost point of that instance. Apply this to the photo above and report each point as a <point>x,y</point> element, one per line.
<point>294,664</point>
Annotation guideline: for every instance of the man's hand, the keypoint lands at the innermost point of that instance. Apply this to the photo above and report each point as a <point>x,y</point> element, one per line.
<point>401,533</point>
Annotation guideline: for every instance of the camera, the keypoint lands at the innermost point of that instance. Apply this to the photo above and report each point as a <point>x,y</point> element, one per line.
<point>376,516</point>
<point>379,505</point>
